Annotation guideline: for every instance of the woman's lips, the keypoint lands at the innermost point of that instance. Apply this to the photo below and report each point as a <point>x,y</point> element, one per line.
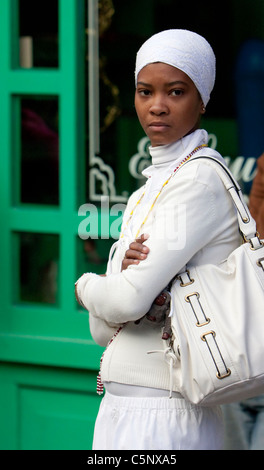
<point>158,126</point>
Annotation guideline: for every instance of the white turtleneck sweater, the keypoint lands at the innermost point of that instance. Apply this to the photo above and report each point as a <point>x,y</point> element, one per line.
<point>193,221</point>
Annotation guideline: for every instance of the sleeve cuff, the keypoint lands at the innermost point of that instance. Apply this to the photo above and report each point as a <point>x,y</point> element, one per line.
<point>78,287</point>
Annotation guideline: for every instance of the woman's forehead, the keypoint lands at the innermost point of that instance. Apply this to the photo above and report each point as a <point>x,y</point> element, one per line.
<point>161,72</point>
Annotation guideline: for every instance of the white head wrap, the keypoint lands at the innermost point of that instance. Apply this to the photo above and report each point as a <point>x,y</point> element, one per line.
<point>185,50</point>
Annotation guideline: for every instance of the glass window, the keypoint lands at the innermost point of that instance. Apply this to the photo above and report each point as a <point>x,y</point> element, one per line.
<point>39,150</point>
<point>38,33</point>
<point>92,255</point>
<point>37,256</point>
<point>112,128</point>
<point>122,151</point>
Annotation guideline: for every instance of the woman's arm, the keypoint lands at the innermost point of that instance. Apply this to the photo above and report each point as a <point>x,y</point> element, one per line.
<point>190,208</point>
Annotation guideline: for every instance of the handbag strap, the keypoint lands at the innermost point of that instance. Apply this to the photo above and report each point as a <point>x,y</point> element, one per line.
<point>246,222</point>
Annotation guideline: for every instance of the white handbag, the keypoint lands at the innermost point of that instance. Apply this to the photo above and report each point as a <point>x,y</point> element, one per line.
<point>218,319</point>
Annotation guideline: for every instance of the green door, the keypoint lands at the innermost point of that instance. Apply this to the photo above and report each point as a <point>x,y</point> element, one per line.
<point>48,361</point>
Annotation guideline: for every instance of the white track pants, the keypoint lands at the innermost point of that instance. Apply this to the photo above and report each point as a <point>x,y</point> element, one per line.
<point>160,423</point>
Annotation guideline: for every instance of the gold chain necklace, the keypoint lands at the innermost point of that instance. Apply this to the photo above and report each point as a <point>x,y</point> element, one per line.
<point>155,200</point>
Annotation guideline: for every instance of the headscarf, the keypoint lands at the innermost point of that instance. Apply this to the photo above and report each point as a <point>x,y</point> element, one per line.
<point>185,50</point>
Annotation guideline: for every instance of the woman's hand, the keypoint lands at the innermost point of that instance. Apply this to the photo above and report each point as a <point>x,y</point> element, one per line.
<point>160,309</point>
<point>136,252</point>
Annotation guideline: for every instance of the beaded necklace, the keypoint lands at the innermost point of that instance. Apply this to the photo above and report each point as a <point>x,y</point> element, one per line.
<point>159,193</point>
<point>100,385</point>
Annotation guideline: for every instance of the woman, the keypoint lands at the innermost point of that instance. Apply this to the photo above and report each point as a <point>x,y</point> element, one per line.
<point>184,209</point>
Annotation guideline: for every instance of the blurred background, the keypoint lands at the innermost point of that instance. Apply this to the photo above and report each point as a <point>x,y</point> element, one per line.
<point>70,136</point>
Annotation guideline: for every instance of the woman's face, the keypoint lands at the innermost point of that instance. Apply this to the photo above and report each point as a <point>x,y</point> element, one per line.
<point>167,102</point>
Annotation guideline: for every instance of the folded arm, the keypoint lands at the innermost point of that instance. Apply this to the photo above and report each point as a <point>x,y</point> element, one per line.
<point>128,295</point>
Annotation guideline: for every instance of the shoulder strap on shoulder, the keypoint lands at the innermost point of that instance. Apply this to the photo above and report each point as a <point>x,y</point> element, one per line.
<point>246,222</point>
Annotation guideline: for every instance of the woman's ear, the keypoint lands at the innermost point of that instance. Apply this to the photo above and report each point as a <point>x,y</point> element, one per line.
<point>203,109</point>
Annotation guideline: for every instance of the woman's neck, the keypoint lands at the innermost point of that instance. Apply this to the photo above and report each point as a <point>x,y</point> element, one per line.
<point>166,154</point>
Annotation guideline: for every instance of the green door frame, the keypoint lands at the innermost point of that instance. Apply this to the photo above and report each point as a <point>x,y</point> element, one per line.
<point>42,344</point>
<point>38,333</point>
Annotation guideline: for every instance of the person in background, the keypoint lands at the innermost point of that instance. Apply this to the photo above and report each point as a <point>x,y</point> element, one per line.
<point>256,197</point>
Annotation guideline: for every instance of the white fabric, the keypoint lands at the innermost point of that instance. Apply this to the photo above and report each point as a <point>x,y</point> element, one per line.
<point>124,390</point>
<point>125,423</point>
<point>185,50</point>
<point>210,232</point>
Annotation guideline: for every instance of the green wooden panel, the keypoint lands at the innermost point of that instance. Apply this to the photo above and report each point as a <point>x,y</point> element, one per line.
<point>46,408</point>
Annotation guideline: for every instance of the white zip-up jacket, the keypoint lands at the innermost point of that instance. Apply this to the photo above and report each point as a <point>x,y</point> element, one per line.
<point>192,221</point>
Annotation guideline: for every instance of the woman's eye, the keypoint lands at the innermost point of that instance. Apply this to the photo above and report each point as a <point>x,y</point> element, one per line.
<point>177,92</point>
<point>144,92</point>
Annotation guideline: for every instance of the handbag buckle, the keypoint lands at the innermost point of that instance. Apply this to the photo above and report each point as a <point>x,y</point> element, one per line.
<point>197,309</point>
<point>260,263</point>
<point>219,376</point>
<point>214,352</point>
<point>255,242</point>
<point>185,282</point>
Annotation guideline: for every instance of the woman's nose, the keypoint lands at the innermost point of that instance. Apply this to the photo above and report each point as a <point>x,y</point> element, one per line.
<point>158,106</point>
